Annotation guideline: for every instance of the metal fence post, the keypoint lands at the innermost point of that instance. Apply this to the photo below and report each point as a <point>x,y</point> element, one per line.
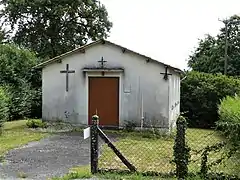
<point>94,144</point>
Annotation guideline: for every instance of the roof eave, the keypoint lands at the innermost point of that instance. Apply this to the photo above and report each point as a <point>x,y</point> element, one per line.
<point>57,58</point>
<point>82,49</point>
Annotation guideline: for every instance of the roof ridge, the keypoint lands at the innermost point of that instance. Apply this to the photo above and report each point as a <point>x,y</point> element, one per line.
<point>52,60</point>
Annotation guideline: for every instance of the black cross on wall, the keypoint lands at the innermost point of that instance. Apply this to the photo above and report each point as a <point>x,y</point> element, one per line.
<point>166,74</point>
<point>67,71</point>
<point>102,62</point>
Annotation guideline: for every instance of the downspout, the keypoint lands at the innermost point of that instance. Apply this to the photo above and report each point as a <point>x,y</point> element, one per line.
<point>183,78</point>
<point>185,75</point>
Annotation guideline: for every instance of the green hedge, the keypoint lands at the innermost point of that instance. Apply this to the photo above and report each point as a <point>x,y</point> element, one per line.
<point>201,94</point>
<point>4,110</point>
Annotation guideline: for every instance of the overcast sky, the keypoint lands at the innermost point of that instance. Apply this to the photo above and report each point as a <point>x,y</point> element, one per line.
<point>167,30</point>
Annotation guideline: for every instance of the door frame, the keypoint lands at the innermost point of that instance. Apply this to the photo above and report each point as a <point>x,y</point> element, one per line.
<point>107,74</point>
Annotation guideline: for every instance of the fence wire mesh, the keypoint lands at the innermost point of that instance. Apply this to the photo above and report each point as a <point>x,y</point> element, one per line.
<point>151,151</point>
<point>212,153</point>
<point>147,151</point>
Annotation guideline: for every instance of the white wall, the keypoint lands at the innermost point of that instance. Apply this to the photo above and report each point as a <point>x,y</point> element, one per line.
<point>140,79</point>
<point>174,99</point>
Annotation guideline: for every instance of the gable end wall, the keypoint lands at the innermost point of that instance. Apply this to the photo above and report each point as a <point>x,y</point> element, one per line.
<point>143,89</point>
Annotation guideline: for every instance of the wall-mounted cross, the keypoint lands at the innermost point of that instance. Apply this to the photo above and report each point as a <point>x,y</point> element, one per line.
<point>166,74</point>
<point>102,62</point>
<point>67,71</point>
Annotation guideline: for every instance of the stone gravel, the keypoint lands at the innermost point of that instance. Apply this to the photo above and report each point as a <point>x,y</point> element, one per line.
<point>49,157</point>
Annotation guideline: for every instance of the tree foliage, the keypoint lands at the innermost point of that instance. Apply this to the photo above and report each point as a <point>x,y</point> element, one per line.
<point>21,83</point>
<point>16,65</point>
<point>3,36</point>
<point>208,57</point>
<point>52,27</point>
<point>4,110</point>
<point>201,95</point>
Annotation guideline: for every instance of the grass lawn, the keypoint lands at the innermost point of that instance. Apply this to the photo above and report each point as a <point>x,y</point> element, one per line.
<point>83,172</point>
<point>152,153</point>
<point>15,134</point>
<point>155,154</point>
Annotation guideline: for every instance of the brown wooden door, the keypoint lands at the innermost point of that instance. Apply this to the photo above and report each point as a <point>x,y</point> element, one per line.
<point>103,99</point>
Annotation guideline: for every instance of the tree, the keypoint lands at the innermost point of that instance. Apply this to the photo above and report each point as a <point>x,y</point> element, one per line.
<point>53,27</point>
<point>4,99</point>
<point>22,84</point>
<point>2,36</point>
<point>15,64</point>
<point>201,95</point>
<point>208,57</point>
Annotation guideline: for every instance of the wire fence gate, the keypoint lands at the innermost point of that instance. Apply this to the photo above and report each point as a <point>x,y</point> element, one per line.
<point>207,154</point>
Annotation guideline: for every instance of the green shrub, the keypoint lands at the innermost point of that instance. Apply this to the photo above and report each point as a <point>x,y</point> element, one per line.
<point>36,123</point>
<point>200,95</point>
<point>229,118</point>
<point>4,110</point>
<point>229,109</point>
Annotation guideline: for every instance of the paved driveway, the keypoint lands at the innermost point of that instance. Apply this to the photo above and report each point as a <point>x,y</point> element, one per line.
<point>49,157</point>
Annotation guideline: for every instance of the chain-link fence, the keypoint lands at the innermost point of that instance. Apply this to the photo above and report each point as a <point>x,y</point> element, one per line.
<point>147,151</point>
<point>151,151</point>
<point>212,153</point>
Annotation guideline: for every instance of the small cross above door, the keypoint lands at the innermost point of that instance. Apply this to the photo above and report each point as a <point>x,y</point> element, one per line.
<point>102,63</point>
<point>67,71</point>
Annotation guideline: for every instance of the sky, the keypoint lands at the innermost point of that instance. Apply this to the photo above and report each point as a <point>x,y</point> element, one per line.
<point>167,30</point>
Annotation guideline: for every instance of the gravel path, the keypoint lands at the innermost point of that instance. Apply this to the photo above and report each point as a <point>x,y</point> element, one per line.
<point>49,157</point>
